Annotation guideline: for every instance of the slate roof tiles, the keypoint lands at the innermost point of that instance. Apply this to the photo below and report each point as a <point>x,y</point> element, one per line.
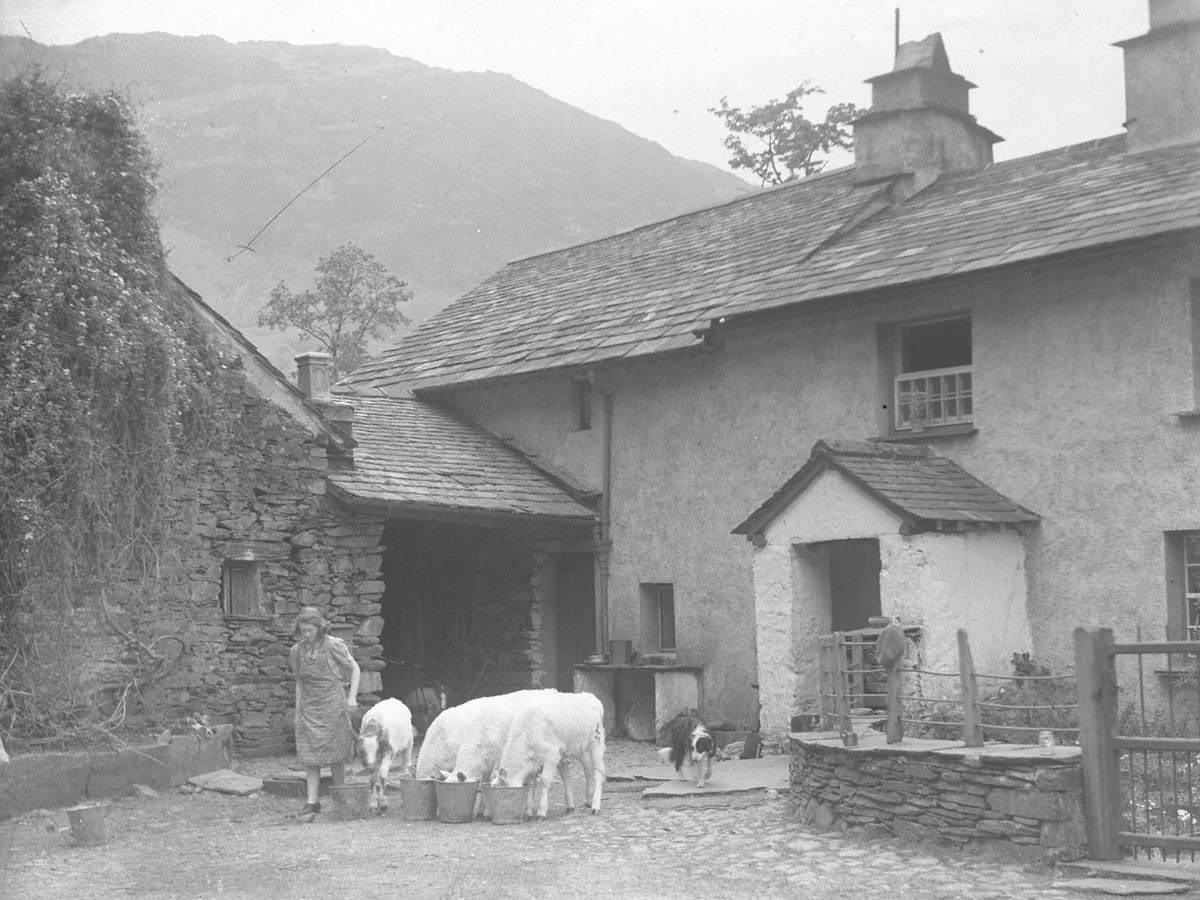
<point>656,288</point>
<point>413,454</point>
<point>927,490</point>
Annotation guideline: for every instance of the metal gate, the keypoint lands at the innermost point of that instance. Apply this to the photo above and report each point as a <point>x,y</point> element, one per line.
<point>1139,723</point>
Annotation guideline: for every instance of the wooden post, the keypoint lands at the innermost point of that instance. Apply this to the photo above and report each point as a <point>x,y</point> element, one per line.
<point>841,686</point>
<point>972,733</point>
<point>895,703</point>
<point>1097,674</point>
<point>858,678</point>
<point>828,677</point>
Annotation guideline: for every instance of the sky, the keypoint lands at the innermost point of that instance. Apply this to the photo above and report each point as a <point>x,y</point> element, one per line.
<point>1046,70</point>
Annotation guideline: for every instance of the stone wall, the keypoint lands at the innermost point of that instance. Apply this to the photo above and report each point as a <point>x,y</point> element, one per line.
<point>1001,797</point>
<point>258,497</point>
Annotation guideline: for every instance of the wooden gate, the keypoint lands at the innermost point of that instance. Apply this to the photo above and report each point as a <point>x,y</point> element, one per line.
<point>1141,745</point>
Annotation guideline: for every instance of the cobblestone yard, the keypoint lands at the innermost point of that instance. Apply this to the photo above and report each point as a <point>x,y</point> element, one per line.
<point>209,845</point>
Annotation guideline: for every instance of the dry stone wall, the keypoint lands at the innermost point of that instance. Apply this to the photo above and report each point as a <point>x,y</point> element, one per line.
<point>259,498</point>
<point>1001,797</point>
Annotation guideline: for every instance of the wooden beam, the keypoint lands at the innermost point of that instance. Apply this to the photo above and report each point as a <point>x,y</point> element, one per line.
<point>972,732</point>
<point>1097,677</point>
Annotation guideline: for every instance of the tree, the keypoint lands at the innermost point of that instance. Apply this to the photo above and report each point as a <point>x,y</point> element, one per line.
<point>354,299</point>
<point>788,144</point>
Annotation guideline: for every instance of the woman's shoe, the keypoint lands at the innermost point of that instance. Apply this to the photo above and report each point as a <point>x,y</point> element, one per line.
<point>311,809</point>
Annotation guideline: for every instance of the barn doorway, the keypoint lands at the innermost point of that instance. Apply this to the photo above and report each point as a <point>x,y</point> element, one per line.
<point>574,615</point>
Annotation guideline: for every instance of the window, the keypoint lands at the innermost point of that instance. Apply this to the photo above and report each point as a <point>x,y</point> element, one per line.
<point>241,594</point>
<point>932,386</point>
<point>1183,580</point>
<point>583,404</point>
<point>657,618</point>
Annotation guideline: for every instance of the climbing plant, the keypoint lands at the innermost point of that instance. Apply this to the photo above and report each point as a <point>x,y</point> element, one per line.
<point>107,388</point>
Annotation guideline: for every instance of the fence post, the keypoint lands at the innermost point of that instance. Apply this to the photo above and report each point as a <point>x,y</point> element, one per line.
<point>828,677</point>
<point>972,733</point>
<point>895,702</point>
<point>841,684</point>
<point>1097,674</point>
<point>858,678</point>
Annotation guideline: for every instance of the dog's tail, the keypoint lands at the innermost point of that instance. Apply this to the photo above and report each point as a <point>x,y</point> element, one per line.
<point>664,753</point>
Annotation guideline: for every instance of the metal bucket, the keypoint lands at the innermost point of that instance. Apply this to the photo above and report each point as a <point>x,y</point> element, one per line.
<point>87,823</point>
<point>506,805</point>
<point>419,799</point>
<point>350,800</point>
<point>456,800</point>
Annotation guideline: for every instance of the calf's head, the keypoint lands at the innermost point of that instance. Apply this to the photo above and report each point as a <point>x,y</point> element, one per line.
<point>372,744</point>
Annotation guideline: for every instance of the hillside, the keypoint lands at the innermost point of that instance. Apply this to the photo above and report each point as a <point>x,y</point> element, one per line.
<point>464,171</point>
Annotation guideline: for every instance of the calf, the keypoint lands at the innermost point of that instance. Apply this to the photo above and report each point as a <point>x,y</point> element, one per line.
<point>544,736</point>
<point>467,739</point>
<point>386,735</point>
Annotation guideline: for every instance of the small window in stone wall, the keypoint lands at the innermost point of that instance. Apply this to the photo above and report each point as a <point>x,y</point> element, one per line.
<point>583,404</point>
<point>1183,585</point>
<point>241,589</point>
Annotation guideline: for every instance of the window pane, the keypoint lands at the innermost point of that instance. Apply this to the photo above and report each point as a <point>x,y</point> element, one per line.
<point>935,345</point>
<point>1191,548</point>
<point>666,617</point>
<point>1193,579</point>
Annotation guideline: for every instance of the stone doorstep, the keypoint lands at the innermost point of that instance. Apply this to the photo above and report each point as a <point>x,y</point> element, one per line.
<point>729,777</point>
<point>1185,873</point>
<point>227,781</point>
<point>1122,887</point>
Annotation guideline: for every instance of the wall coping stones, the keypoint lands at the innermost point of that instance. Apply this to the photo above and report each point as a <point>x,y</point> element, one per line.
<point>1012,798</point>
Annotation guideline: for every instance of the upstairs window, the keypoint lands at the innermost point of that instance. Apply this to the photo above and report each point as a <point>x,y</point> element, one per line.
<point>657,618</point>
<point>583,404</point>
<point>241,590</point>
<point>1183,584</point>
<point>932,386</point>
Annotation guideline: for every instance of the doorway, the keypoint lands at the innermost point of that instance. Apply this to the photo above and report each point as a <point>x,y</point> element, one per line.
<point>853,582</point>
<point>574,615</point>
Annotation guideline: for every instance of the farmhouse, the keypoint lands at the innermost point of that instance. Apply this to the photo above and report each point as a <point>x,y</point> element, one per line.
<point>927,385</point>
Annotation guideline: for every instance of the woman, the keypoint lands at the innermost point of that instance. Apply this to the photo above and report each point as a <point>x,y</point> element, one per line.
<point>322,664</point>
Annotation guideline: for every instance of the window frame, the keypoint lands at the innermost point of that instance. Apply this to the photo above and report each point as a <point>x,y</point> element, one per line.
<point>955,384</point>
<point>583,398</point>
<point>254,608</point>
<point>1183,604</point>
<point>652,621</point>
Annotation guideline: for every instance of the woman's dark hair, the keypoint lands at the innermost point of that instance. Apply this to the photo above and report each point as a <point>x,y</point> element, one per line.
<point>310,615</point>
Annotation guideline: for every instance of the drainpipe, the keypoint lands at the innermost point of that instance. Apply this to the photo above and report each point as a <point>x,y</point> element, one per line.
<point>602,543</point>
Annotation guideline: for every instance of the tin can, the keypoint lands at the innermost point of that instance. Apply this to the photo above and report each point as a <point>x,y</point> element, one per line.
<point>1046,742</point>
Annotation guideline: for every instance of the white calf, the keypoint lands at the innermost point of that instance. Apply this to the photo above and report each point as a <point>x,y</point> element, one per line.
<point>386,735</point>
<point>545,736</point>
<point>475,731</point>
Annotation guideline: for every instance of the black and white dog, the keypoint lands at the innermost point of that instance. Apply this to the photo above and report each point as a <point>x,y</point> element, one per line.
<point>689,743</point>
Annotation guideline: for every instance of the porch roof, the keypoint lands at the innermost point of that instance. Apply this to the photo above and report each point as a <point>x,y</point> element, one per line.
<point>416,457</point>
<point>926,490</point>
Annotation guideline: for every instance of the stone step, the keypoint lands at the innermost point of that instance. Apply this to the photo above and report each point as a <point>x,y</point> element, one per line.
<point>1182,873</point>
<point>1122,887</point>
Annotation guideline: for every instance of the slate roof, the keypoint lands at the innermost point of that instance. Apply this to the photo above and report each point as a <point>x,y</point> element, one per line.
<point>412,454</point>
<point>658,288</point>
<point>926,490</point>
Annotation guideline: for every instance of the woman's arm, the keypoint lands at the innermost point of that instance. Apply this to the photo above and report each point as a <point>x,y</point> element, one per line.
<point>355,675</point>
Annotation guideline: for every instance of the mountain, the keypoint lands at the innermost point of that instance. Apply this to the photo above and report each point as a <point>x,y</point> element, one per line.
<point>463,171</point>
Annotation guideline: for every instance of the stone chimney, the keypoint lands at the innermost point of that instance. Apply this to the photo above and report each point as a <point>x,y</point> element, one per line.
<point>1162,77</point>
<point>312,375</point>
<point>919,123</point>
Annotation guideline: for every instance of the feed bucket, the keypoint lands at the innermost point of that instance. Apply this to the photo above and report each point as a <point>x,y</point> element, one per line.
<point>350,800</point>
<point>87,823</point>
<point>456,800</point>
<point>419,799</point>
<point>506,804</point>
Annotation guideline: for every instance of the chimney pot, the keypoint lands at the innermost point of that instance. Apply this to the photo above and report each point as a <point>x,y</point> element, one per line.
<point>312,375</point>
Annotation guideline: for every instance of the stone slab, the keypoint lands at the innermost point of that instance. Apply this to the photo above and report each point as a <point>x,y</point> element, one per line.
<point>227,781</point>
<point>196,754</point>
<point>292,784</point>
<point>1121,887</point>
<point>113,774</point>
<point>1183,872</point>
<point>40,780</point>
<point>735,776</point>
